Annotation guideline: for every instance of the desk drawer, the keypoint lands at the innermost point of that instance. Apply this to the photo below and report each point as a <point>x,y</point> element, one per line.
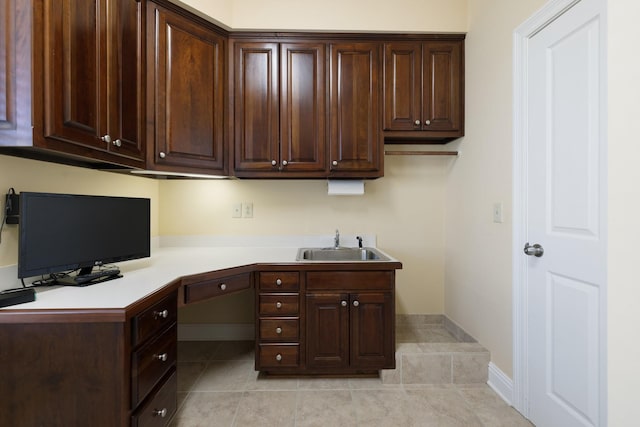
<point>279,356</point>
<point>279,304</point>
<point>279,329</point>
<point>279,280</point>
<point>154,319</point>
<point>151,362</point>
<point>160,408</point>
<point>216,287</point>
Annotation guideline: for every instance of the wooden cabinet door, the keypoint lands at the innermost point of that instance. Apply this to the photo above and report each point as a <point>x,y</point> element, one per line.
<point>186,63</point>
<point>327,330</point>
<point>372,333</point>
<point>75,72</point>
<point>356,142</point>
<point>442,86</point>
<point>256,107</point>
<point>402,86</point>
<point>302,107</point>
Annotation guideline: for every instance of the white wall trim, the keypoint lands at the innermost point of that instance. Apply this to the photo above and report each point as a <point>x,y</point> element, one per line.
<point>216,332</point>
<point>500,383</point>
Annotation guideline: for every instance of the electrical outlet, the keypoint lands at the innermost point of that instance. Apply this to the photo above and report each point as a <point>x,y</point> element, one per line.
<point>236,210</point>
<point>497,213</point>
<point>247,210</point>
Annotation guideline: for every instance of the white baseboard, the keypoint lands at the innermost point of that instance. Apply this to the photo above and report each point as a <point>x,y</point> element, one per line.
<point>216,332</point>
<point>500,383</point>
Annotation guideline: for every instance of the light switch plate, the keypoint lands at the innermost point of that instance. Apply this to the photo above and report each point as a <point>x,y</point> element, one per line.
<point>236,210</point>
<point>497,213</point>
<point>247,210</point>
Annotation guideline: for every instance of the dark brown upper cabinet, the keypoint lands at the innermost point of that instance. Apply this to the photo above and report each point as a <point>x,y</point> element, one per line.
<point>186,71</point>
<point>356,144</point>
<point>424,90</point>
<point>279,106</point>
<point>74,80</point>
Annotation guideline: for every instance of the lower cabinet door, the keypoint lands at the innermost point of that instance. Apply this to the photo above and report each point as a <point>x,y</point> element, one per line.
<point>160,407</point>
<point>327,330</point>
<point>372,330</point>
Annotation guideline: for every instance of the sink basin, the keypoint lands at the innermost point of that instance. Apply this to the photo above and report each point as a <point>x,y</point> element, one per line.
<point>340,254</point>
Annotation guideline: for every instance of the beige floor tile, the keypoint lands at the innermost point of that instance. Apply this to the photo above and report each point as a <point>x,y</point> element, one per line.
<point>441,407</point>
<point>490,408</point>
<point>188,374</point>
<point>325,408</point>
<point>259,381</point>
<point>380,407</point>
<point>235,350</point>
<point>470,367</point>
<point>266,408</point>
<point>210,409</point>
<point>196,351</point>
<point>231,375</point>
<point>323,384</point>
<point>435,335</point>
<point>426,368</point>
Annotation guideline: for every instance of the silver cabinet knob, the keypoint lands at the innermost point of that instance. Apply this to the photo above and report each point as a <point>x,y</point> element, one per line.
<point>427,122</point>
<point>273,163</point>
<point>278,330</point>
<point>161,357</point>
<point>162,155</point>
<point>278,357</point>
<point>278,304</point>
<point>533,250</point>
<point>223,286</point>
<point>117,142</point>
<point>161,314</point>
<point>160,412</point>
<point>417,122</point>
<point>343,303</point>
<point>356,303</point>
<point>285,163</point>
<point>334,163</point>
<point>107,139</point>
<point>278,282</point>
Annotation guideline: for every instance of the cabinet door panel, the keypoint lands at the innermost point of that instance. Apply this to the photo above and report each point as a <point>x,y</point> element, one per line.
<point>302,117</point>
<point>442,97</point>
<point>256,106</point>
<point>327,331</point>
<point>402,86</point>
<point>75,71</point>
<point>188,70</point>
<point>355,130</point>
<point>372,334</point>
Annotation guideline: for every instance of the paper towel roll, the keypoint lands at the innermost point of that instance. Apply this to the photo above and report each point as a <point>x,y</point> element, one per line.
<point>346,187</point>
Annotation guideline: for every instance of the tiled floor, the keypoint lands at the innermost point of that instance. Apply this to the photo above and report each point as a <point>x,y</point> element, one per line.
<point>218,387</point>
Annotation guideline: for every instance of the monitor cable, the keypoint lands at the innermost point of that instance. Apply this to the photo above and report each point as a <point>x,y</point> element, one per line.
<point>7,208</point>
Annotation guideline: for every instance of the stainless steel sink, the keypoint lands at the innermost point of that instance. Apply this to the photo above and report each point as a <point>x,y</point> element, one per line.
<point>340,254</point>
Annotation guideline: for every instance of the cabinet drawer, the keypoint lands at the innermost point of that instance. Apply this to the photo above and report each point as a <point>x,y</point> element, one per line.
<point>161,407</point>
<point>151,362</point>
<point>279,356</point>
<point>154,319</point>
<point>279,329</point>
<point>350,280</point>
<point>279,304</point>
<point>216,287</point>
<point>279,280</point>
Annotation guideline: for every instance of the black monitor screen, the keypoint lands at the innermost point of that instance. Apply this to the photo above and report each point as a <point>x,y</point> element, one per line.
<point>60,232</point>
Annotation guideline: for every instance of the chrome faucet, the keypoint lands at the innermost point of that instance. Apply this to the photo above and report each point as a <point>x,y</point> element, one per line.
<point>337,239</point>
<point>359,241</point>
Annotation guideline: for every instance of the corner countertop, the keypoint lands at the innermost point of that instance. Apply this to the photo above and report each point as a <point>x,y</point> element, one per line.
<point>167,263</point>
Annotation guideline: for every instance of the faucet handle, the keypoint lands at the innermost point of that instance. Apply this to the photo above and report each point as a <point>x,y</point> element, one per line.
<point>359,241</point>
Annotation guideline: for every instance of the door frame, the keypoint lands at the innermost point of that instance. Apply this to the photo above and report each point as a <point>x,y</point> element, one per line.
<point>521,36</point>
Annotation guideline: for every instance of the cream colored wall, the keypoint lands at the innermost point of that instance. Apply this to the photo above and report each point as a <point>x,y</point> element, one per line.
<point>478,251</point>
<point>340,15</point>
<point>624,214</point>
<point>404,209</point>
<point>31,175</point>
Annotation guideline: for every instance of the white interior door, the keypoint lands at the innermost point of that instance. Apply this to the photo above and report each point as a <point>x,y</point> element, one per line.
<point>565,214</point>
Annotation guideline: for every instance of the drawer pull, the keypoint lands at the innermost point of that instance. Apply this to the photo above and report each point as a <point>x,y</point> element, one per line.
<point>278,357</point>
<point>160,412</point>
<point>356,303</point>
<point>161,314</point>
<point>278,330</point>
<point>343,303</point>
<point>278,304</point>
<point>162,357</point>
<point>223,286</point>
<point>278,282</point>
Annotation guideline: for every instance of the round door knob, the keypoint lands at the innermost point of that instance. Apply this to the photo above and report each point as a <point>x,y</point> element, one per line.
<point>273,163</point>
<point>334,163</point>
<point>278,330</point>
<point>160,412</point>
<point>161,357</point>
<point>278,357</point>
<point>278,282</point>
<point>278,304</point>
<point>285,163</point>
<point>533,250</point>
<point>427,122</point>
<point>161,314</point>
<point>107,139</point>
<point>117,143</point>
<point>417,122</point>
<point>343,303</point>
<point>356,303</point>
<point>162,155</point>
<point>223,287</point>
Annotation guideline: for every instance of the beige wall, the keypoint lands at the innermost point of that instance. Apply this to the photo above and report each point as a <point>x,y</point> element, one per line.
<point>31,175</point>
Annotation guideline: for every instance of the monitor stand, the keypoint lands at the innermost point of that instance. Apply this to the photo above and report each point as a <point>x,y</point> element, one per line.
<point>85,277</point>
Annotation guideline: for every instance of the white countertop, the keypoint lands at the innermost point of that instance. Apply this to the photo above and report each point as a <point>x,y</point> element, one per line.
<point>144,276</point>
